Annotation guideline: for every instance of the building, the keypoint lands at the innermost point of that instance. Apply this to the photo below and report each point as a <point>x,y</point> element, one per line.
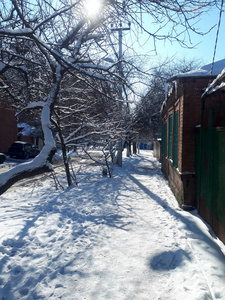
<point>181,116</point>
<point>30,134</point>
<point>8,126</point>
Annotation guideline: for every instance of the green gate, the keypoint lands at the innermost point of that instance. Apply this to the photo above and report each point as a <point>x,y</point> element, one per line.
<point>219,183</point>
<point>210,175</point>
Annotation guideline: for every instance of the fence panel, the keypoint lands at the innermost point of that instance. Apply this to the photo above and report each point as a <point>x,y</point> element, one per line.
<point>204,174</point>
<point>219,183</point>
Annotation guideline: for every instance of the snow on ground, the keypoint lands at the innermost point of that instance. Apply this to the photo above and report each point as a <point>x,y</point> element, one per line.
<point>119,238</point>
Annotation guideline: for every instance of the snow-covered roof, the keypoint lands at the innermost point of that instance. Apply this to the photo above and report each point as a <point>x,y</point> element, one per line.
<point>216,85</point>
<point>205,70</point>
<point>26,129</point>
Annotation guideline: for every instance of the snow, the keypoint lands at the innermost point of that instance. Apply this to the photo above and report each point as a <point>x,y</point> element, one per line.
<point>107,238</point>
<point>205,70</point>
<point>26,129</point>
<point>216,84</point>
<point>16,32</point>
<point>218,87</point>
<point>35,104</point>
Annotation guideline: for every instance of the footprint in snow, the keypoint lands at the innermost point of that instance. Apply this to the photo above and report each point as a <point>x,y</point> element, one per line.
<point>17,270</point>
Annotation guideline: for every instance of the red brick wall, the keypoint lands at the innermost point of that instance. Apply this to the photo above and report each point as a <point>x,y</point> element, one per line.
<point>186,98</point>
<point>191,118</point>
<point>173,104</point>
<point>215,103</point>
<point>27,139</point>
<point>8,128</point>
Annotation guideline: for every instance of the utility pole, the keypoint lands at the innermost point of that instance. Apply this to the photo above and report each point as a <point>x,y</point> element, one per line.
<point>120,30</point>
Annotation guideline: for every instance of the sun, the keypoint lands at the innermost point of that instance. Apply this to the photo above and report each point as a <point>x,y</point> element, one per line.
<point>93,7</point>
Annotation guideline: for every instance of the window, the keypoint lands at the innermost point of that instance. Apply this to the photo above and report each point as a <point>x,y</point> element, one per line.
<point>170,136</point>
<point>164,139</point>
<point>175,140</point>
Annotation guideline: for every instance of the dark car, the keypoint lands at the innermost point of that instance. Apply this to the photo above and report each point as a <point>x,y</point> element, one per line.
<point>23,150</point>
<point>2,158</point>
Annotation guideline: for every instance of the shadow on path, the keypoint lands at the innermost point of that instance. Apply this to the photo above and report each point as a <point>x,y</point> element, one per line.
<point>192,227</point>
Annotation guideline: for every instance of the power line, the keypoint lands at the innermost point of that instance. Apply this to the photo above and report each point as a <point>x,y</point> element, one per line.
<point>120,30</point>
<point>217,34</point>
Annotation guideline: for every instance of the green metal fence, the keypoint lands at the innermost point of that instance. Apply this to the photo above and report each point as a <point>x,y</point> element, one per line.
<point>210,174</point>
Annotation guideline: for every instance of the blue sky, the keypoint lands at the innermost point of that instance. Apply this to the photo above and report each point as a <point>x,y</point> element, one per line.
<point>202,52</point>
<point>205,48</point>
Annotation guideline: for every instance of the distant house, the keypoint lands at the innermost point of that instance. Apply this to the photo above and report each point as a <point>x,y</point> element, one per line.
<point>181,116</point>
<point>8,128</point>
<point>31,134</point>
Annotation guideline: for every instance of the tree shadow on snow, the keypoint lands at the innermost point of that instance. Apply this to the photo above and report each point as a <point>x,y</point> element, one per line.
<point>148,192</point>
<point>140,165</point>
<point>167,260</point>
<point>103,211</point>
<point>98,204</point>
<point>192,230</point>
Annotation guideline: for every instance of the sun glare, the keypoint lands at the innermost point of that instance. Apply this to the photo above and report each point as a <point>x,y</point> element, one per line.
<point>93,7</point>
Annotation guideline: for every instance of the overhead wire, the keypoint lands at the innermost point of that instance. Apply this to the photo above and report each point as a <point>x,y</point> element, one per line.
<point>217,34</point>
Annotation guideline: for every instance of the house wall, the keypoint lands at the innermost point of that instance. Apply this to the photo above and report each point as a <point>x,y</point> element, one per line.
<point>37,141</point>
<point>186,99</point>
<point>174,103</point>
<point>191,118</point>
<point>157,150</point>
<point>8,128</point>
<point>173,176</point>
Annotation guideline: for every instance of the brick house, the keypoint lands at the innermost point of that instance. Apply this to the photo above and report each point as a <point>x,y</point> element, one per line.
<point>30,134</point>
<point>181,114</point>
<point>8,127</point>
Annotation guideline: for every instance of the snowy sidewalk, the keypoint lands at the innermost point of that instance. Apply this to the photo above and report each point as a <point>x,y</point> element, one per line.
<point>107,239</point>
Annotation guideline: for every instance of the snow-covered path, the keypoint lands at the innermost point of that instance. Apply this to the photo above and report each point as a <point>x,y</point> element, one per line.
<point>120,238</point>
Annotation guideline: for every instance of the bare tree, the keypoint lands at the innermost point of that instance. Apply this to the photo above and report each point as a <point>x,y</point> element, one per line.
<point>44,40</point>
<point>84,115</point>
<point>147,111</point>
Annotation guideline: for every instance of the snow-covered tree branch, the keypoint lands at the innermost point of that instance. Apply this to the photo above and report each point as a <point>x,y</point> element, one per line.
<point>42,42</point>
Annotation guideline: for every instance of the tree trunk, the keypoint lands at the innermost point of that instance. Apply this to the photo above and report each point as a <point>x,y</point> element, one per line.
<point>22,175</point>
<point>42,162</point>
<point>65,158</point>
<point>134,147</point>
